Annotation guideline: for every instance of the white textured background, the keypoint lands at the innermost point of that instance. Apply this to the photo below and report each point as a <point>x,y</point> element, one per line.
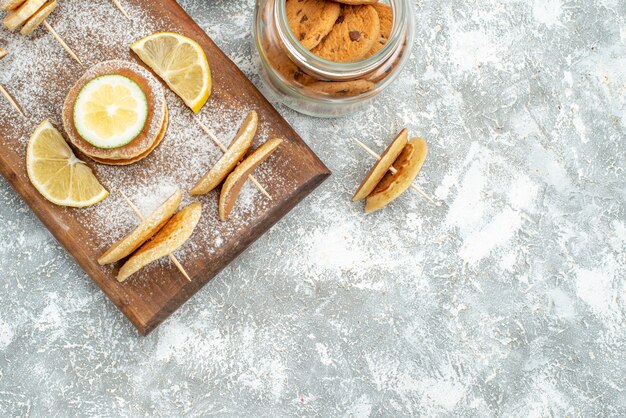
<point>507,300</point>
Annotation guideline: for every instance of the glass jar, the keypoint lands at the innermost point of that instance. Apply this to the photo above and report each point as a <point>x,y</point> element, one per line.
<point>318,87</point>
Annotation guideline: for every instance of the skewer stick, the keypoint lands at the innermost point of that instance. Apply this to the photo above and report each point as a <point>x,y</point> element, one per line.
<point>61,41</point>
<point>10,99</point>
<point>121,8</point>
<point>224,149</point>
<point>171,256</point>
<point>394,171</point>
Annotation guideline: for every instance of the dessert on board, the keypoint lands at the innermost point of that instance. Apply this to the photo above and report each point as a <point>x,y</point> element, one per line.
<point>30,15</point>
<point>120,114</point>
<point>146,230</point>
<point>238,148</point>
<point>116,113</point>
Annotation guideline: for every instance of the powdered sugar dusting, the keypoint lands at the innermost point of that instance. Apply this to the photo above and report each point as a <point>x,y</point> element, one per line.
<point>183,156</point>
<point>508,299</point>
<point>36,63</point>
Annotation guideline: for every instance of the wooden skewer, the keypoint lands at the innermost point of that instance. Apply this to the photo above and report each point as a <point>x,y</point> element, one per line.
<point>171,256</point>
<point>5,93</point>
<point>61,41</point>
<point>121,8</point>
<point>224,149</point>
<point>10,99</point>
<point>394,171</point>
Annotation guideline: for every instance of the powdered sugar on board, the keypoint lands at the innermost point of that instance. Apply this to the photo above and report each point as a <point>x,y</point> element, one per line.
<point>37,62</point>
<point>32,72</point>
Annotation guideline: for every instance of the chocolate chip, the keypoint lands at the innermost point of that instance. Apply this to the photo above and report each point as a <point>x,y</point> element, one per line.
<point>355,35</point>
<point>304,19</point>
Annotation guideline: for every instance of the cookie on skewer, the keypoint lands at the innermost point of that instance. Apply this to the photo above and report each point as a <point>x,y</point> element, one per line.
<point>225,150</point>
<point>151,227</point>
<point>236,179</point>
<point>410,155</point>
<point>171,256</point>
<point>30,14</point>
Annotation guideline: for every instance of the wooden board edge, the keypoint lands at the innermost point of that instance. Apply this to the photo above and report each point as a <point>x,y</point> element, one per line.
<point>43,211</point>
<point>41,208</point>
<point>256,232</point>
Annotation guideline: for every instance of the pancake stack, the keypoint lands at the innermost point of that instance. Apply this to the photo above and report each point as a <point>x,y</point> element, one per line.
<point>156,122</point>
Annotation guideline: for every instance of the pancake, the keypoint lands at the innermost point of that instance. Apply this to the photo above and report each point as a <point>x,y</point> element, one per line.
<point>155,96</point>
<point>158,140</point>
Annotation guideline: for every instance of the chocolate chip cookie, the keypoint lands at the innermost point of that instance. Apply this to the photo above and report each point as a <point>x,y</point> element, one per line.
<point>385,15</point>
<point>342,88</point>
<point>312,20</point>
<point>281,62</point>
<point>353,36</point>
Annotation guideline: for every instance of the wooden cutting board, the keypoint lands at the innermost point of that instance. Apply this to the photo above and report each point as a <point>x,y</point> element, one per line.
<point>39,74</point>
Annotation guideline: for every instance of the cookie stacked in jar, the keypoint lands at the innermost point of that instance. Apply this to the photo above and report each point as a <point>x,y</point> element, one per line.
<point>329,58</point>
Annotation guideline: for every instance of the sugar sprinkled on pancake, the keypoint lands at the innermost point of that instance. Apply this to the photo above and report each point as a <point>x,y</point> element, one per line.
<point>154,122</point>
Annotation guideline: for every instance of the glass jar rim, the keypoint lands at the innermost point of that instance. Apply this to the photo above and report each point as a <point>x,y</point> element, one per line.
<point>331,70</point>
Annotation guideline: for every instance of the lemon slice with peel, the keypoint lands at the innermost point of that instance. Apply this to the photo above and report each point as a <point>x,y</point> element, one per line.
<point>110,111</point>
<point>180,62</point>
<point>57,174</point>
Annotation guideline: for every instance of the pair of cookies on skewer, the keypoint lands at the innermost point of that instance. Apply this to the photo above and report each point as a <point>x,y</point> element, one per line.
<point>393,173</point>
<point>29,15</point>
<point>157,236</point>
<point>231,170</point>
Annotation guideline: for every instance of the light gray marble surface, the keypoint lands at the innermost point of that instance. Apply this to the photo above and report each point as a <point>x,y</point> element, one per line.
<point>509,299</point>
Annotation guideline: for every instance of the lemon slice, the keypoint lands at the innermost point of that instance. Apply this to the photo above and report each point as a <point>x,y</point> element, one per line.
<point>57,174</point>
<point>180,62</point>
<point>110,111</point>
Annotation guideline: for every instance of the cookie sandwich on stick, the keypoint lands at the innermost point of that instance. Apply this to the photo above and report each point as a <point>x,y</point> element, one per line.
<point>231,170</point>
<point>171,237</point>
<point>158,235</point>
<point>393,170</point>
<point>232,146</point>
<point>29,15</point>
<point>171,256</point>
<point>393,173</point>
<point>235,180</point>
